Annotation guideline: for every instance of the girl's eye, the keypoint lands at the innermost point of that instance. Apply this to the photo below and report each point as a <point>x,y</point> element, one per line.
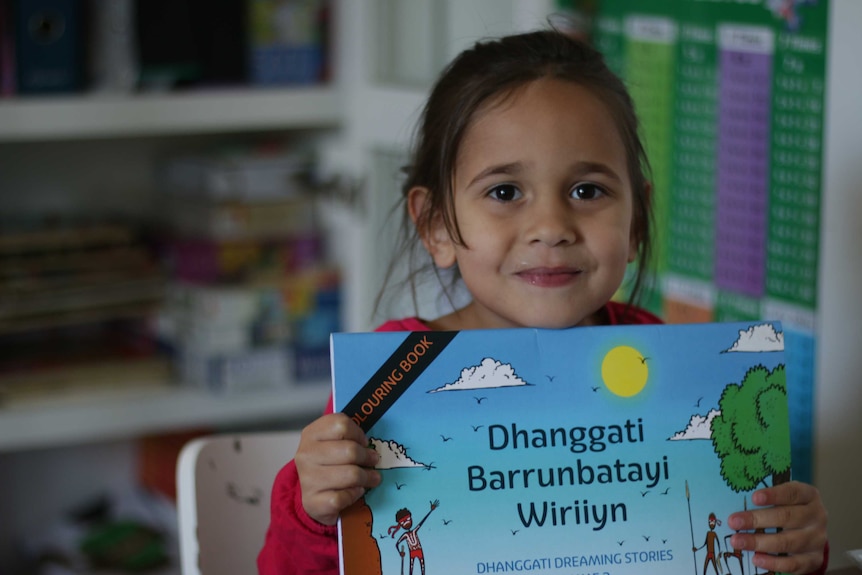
<point>587,192</point>
<point>505,193</point>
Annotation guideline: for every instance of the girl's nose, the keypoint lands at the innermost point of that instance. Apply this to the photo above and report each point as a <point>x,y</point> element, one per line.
<point>551,222</point>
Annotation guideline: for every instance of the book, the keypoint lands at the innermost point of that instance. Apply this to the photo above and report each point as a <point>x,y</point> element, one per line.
<point>55,274</point>
<point>238,175</point>
<point>7,50</point>
<point>239,220</point>
<point>49,46</point>
<point>85,382</point>
<point>287,42</point>
<point>610,449</point>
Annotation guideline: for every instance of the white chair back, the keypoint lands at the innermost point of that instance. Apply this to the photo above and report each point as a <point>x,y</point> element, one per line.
<point>223,495</point>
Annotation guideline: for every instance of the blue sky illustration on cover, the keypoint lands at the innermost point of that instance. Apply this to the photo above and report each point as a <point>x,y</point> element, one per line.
<point>611,449</point>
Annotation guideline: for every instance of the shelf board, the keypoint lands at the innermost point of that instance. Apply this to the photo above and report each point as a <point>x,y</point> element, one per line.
<point>194,112</point>
<point>159,409</point>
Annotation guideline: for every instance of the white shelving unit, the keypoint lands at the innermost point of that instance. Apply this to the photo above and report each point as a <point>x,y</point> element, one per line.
<point>194,112</point>
<point>125,415</point>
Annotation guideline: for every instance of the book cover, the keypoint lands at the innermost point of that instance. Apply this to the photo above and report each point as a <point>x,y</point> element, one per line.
<point>286,42</point>
<point>49,46</point>
<point>615,449</point>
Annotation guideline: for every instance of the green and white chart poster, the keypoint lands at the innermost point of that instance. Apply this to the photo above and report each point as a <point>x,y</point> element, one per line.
<point>731,97</point>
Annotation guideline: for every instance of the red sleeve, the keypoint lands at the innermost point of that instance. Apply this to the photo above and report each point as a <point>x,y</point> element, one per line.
<point>296,543</point>
<point>825,564</point>
<point>617,313</point>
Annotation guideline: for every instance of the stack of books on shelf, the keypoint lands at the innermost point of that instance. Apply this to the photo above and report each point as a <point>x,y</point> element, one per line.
<point>77,302</point>
<point>253,297</point>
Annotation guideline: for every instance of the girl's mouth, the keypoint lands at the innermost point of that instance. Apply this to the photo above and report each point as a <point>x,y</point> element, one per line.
<point>549,277</point>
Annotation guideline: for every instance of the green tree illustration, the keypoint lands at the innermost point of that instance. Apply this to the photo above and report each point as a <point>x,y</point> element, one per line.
<point>750,436</point>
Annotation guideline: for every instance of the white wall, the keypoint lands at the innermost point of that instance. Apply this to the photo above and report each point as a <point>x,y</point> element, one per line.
<point>838,399</point>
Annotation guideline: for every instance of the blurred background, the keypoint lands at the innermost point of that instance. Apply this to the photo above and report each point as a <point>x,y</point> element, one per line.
<point>194,195</point>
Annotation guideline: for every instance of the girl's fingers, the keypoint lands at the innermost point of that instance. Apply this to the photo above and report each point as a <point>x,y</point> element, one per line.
<point>336,487</point>
<point>794,564</point>
<point>769,518</point>
<point>790,493</point>
<point>794,505</point>
<point>338,477</point>
<point>334,440</point>
<point>335,466</point>
<point>340,452</point>
<point>794,508</point>
<point>332,427</point>
<point>793,542</point>
<point>797,551</point>
<point>325,506</point>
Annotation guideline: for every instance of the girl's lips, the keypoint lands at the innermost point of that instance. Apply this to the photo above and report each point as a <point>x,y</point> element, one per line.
<point>549,277</point>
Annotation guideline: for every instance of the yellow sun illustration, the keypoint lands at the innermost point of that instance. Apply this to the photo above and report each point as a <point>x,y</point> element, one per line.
<point>625,371</point>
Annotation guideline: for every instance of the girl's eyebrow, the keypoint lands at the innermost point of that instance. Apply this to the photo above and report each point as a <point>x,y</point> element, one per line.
<point>598,168</point>
<point>511,168</point>
<point>515,168</point>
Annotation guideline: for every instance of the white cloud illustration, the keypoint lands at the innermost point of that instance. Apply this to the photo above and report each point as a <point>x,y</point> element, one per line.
<point>761,337</point>
<point>392,455</point>
<point>488,374</point>
<point>699,427</point>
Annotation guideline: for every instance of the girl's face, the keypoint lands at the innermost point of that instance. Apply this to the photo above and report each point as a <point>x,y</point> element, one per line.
<point>544,203</point>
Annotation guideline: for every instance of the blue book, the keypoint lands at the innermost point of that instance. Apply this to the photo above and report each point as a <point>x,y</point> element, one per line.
<point>618,449</point>
<point>48,46</point>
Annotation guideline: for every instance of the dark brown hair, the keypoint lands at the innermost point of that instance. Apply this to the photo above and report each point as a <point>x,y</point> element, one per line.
<point>495,68</point>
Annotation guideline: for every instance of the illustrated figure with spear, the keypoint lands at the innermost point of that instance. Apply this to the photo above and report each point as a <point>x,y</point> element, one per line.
<point>712,545</point>
<point>404,520</point>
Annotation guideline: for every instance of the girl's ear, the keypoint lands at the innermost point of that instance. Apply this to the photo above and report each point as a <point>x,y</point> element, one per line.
<point>430,227</point>
<point>637,231</point>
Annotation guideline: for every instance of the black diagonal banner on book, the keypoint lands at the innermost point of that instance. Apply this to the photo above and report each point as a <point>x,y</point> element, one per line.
<point>397,374</point>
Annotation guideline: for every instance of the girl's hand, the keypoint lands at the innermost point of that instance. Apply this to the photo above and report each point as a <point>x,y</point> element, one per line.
<point>334,464</point>
<point>796,508</point>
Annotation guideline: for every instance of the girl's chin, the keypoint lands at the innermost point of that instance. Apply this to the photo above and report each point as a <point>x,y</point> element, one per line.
<point>547,317</point>
<point>553,320</point>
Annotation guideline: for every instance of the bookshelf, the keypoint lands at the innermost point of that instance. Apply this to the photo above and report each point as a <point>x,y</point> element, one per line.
<point>96,152</point>
<point>62,125</point>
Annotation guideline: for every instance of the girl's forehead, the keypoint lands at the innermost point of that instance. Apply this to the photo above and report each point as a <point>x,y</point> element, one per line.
<point>503,99</point>
<point>547,112</point>
<point>543,97</point>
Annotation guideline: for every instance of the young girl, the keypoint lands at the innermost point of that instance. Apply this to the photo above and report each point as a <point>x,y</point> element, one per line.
<point>528,183</point>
